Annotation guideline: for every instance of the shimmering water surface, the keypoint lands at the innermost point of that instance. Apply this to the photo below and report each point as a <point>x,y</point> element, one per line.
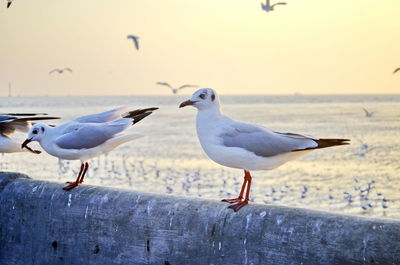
<point>361,179</point>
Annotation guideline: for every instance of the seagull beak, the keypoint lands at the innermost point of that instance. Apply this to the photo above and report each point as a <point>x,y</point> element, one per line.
<point>187,103</point>
<point>24,144</point>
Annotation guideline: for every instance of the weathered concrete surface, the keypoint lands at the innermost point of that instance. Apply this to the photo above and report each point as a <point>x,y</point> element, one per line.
<point>42,224</point>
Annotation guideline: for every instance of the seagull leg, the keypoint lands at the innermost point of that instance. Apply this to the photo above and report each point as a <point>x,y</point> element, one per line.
<point>84,172</point>
<point>74,184</point>
<point>237,206</point>
<point>240,198</point>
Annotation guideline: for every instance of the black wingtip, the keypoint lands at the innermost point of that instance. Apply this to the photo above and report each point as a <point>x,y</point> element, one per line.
<point>139,114</point>
<point>8,4</point>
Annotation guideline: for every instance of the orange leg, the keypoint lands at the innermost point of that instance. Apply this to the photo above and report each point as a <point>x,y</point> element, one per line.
<point>79,179</point>
<point>239,202</point>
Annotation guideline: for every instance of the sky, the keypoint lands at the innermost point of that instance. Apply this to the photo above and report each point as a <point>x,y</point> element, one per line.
<point>307,46</point>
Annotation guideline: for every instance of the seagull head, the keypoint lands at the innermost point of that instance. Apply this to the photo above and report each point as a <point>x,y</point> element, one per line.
<point>36,133</point>
<point>204,98</point>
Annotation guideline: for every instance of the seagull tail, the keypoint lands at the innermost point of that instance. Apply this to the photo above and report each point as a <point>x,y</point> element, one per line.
<point>323,143</point>
<point>139,114</point>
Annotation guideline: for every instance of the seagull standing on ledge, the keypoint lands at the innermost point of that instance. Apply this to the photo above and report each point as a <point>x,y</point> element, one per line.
<point>135,40</point>
<point>87,137</point>
<point>246,146</point>
<point>9,123</point>
<point>268,7</point>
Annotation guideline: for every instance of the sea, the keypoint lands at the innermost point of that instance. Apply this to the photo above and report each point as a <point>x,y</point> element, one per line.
<point>359,179</point>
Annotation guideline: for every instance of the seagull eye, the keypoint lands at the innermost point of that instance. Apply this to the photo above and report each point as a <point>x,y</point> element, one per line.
<point>202,96</point>
<point>35,131</point>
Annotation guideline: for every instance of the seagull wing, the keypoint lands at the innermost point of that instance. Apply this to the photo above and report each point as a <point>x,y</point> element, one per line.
<point>264,142</point>
<point>54,70</point>
<point>9,3</point>
<point>136,41</point>
<point>164,84</point>
<point>89,135</point>
<point>10,124</point>
<point>22,114</point>
<point>396,70</point>
<point>67,69</point>
<point>279,3</point>
<point>366,111</point>
<point>185,86</point>
<point>102,117</point>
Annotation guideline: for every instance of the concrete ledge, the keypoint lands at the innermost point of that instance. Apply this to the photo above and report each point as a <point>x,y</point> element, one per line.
<point>42,224</point>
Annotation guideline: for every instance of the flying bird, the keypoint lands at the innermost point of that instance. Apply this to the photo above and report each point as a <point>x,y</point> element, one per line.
<point>87,137</point>
<point>246,146</point>
<point>135,40</point>
<point>396,70</point>
<point>367,113</point>
<point>173,89</point>
<point>60,71</point>
<point>268,7</point>
<point>12,122</point>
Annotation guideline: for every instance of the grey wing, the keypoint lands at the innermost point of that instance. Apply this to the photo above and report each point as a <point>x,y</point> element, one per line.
<point>68,69</point>
<point>136,43</point>
<point>86,135</point>
<point>54,70</point>
<point>280,3</point>
<point>10,124</point>
<point>102,117</point>
<point>265,143</point>
<point>164,84</point>
<point>185,86</point>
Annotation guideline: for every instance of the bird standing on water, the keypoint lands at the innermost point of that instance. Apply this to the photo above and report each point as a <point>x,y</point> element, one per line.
<point>246,146</point>
<point>11,122</point>
<point>87,137</point>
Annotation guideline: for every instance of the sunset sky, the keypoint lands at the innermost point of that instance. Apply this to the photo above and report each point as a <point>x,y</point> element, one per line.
<point>307,46</point>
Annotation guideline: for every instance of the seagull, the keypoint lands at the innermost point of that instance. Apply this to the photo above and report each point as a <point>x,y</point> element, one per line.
<point>367,113</point>
<point>246,146</point>
<point>396,70</point>
<point>9,123</point>
<point>60,71</point>
<point>87,136</point>
<point>268,7</point>
<point>135,40</point>
<point>175,90</point>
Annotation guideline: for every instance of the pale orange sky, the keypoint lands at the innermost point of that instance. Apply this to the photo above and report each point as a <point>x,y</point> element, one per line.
<point>310,46</point>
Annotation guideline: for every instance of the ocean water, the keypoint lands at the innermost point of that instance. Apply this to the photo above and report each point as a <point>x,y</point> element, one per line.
<point>359,179</point>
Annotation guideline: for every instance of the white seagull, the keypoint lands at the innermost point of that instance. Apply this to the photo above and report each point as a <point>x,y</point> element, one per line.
<point>246,146</point>
<point>173,89</point>
<point>9,123</point>
<point>60,71</point>
<point>87,137</point>
<point>135,40</point>
<point>268,7</point>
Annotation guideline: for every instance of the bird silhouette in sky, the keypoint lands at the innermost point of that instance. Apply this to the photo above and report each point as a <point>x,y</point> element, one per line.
<point>175,89</point>
<point>396,70</point>
<point>368,113</point>
<point>135,40</point>
<point>60,71</point>
<point>268,7</point>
